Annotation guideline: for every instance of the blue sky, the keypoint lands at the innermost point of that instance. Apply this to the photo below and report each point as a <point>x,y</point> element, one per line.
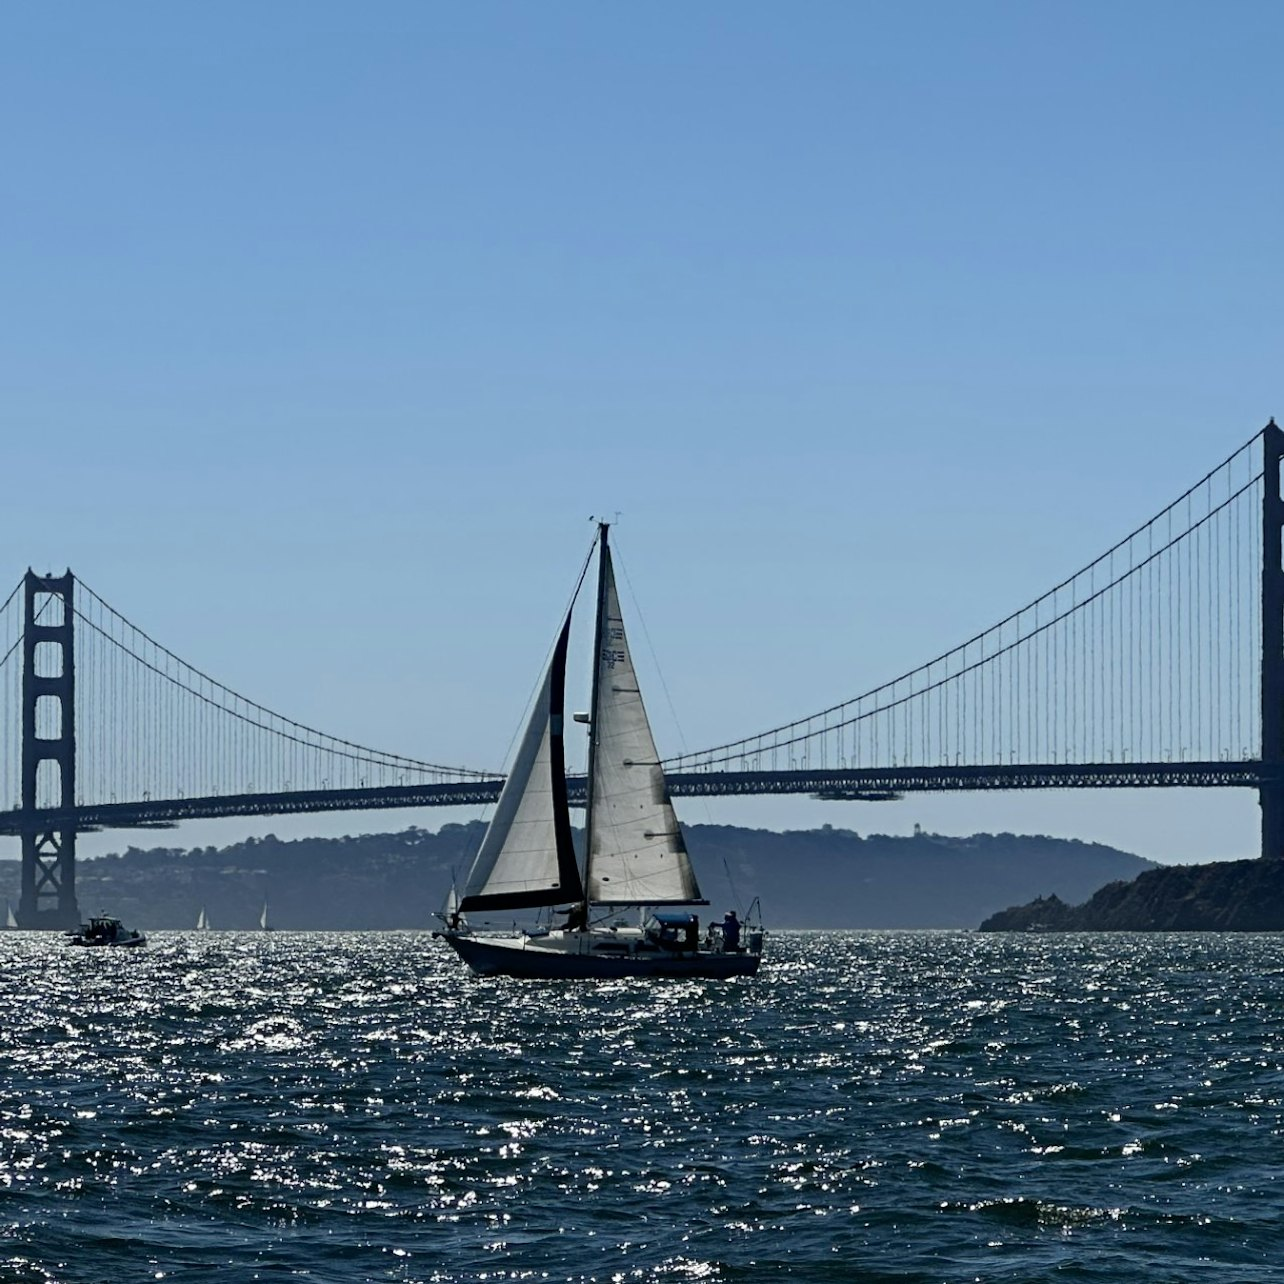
<point>326,327</point>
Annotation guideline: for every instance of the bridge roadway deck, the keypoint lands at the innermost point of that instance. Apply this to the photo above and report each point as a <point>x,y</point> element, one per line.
<point>853,784</point>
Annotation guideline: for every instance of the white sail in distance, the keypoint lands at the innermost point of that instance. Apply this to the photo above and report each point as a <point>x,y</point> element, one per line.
<point>636,852</point>
<point>527,858</point>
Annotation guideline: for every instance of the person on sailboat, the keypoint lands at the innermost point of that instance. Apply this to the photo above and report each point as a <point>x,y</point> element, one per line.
<point>576,918</point>
<point>730,932</point>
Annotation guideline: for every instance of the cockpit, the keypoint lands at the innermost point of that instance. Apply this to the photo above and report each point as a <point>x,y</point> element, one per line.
<point>672,930</point>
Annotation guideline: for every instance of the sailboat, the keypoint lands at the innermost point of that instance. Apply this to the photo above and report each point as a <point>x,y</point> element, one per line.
<point>10,921</point>
<point>451,915</point>
<point>635,855</point>
<point>263,918</point>
<point>202,922</point>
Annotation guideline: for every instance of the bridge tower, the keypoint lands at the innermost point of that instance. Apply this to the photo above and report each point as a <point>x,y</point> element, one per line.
<point>48,897</point>
<point>1271,793</point>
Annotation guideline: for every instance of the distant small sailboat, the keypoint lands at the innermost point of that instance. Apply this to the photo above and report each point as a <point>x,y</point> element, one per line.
<point>202,922</point>
<point>10,922</point>
<point>101,930</point>
<point>451,915</point>
<point>263,918</point>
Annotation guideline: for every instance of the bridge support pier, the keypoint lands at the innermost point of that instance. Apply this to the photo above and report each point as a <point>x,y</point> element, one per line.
<point>1271,793</point>
<point>48,897</point>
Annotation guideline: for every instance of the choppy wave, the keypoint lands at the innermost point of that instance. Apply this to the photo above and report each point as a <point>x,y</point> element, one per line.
<point>875,1107</point>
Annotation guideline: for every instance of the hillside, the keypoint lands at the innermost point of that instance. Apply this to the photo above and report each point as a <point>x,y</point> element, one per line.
<point>809,878</point>
<point>835,878</point>
<point>1224,896</point>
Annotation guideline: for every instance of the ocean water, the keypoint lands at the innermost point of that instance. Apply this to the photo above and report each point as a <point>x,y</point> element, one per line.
<point>873,1107</point>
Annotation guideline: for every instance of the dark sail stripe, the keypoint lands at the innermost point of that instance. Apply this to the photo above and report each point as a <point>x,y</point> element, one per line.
<point>568,870</point>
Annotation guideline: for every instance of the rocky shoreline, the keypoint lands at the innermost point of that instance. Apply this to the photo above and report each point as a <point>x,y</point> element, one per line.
<point>1224,896</point>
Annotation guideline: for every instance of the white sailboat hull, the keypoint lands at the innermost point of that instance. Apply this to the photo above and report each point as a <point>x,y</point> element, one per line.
<point>591,955</point>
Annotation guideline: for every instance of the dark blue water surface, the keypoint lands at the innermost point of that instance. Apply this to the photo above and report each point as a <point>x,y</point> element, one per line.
<point>900,1106</point>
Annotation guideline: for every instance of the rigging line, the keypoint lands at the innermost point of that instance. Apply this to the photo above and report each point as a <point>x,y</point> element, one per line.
<point>646,633</point>
<point>375,757</point>
<point>731,883</point>
<point>1167,512</point>
<point>1035,632</point>
<point>391,758</point>
<point>530,697</point>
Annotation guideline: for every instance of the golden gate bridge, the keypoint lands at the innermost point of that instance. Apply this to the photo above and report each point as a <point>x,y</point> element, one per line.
<point>1158,664</point>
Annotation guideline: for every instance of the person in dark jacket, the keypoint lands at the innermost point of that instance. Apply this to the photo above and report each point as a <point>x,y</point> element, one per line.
<point>730,932</point>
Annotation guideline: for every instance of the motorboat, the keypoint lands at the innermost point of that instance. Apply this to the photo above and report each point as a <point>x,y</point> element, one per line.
<point>102,930</point>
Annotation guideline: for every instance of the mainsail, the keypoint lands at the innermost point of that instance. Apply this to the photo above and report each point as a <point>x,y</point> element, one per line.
<point>636,852</point>
<point>527,858</point>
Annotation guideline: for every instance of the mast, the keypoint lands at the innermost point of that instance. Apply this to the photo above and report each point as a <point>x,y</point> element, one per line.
<point>602,529</point>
